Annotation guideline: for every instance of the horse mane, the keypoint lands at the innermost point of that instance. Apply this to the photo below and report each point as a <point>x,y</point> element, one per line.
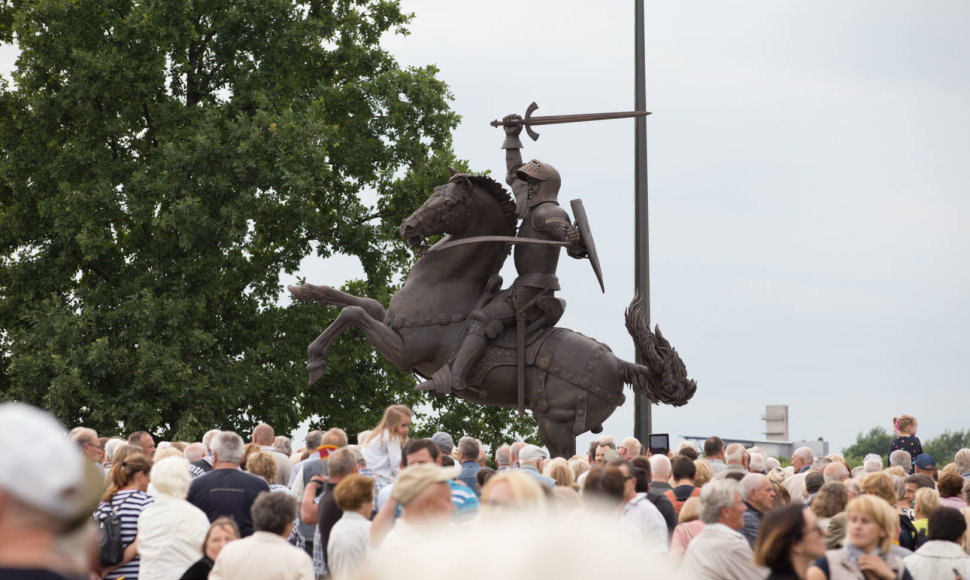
<point>499,193</point>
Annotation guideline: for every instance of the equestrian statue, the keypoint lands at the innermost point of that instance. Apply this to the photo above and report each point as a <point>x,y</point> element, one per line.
<point>452,323</point>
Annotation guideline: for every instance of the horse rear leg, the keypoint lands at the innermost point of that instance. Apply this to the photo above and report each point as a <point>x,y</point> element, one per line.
<point>327,296</point>
<point>387,341</point>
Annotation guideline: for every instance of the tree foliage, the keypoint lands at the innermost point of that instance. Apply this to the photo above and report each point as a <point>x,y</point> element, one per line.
<point>161,163</point>
<point>942,447</point>
<point>876,441</point>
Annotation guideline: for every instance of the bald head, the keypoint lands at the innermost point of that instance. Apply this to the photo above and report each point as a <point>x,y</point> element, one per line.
<point>263,434</point>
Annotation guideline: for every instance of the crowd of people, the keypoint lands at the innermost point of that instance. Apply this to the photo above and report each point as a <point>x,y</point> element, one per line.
<point>393,505</point>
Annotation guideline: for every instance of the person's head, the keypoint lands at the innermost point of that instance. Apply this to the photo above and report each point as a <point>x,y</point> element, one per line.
<point>756,463</point>
<point>283,444</point>
<point>905,425</point>
<point>659,468</point>
<point>830,500</point>
<point>901,458</point>
<point>194,452</point>
<point>786,534</point>
<point>690,511</point>
<point>558,469</point>
<point>813,482</point>
<point>314,439</point>
<point>801,457</point>
<point>579,465</point>
<point>880,485</point>
<point>341,463</point>
<point>335,436</point>
<point>512,490</point>
<point>111,446</point>
<point>171,477</point>
<point>468,449</point>
<point>87,441</point>
<point>420,451</point>
<point>962,460</point>
<point>354,492</point>
<point>532,455</point>
<point>503,455</point>
<point>756,489</point>
<point>396,422</point>
<point>683,469</point>
<point>925,502</point>
<point>721,503</point>
<point>222,531</point>
<point>835,471</point>
<point>629,448</point>
<point>134,471</point>
<point>514,450</point>
<point>248,450</point>
<point>274,512</point>
<point>543,182</point>
<point>714,448</point>
<point>145,441</point>
<point>601,450</point>
<point>227,447</point>
<point>208,437</point>
<point>264,465</point>
<point>704,472</point>
<point>871,523</point>
<point>915,482</point>
<point>263,434</point>
<point>946,524</point>
<point>423,491</point>
<point>605,485</point>
<point>950,485</point>
<point>734,453</point>
<point>688,449</point>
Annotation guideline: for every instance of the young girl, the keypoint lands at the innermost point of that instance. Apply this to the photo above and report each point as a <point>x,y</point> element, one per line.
<point>382,448</point>
<point>906,439</point>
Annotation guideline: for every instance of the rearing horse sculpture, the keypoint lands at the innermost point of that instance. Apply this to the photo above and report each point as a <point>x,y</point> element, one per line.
<point>573,382</point>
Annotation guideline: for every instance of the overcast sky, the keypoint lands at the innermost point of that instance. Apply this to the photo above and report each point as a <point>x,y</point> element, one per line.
<point>808,167</point>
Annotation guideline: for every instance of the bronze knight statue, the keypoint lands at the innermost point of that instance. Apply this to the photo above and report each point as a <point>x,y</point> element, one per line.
<point>451,324</point>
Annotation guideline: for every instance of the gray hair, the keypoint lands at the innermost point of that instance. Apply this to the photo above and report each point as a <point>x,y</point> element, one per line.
<point>901,458</point>
<point>835,471</point>
<point>82,435</point>
<point>872,463</point>
<point>170,476</point>
<point>358,455</point>
<point>283,445</point>
<point>111,446</point>
<point>806,454</point>
<point>717,494</point>
<point>756,462</point>
<point>341,462</point>
<point>734,453</point>
<point>469,448</point>
<point>227,447</point>
<point>751,482</point>
<point>962,460</point>
<point>515,448</point>
<point>272,511</point>
<point>194,452</point>
<point>313,439</point>
<point>771,463</point>
<point>659,467</point>
<point>503,455</point>
<point>820,463</point>
<point>207,438</point>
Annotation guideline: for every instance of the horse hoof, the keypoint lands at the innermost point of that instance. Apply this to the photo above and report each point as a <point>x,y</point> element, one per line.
<point>316,371</point>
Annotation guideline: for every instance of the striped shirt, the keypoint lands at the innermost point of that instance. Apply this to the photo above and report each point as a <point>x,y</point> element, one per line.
<point>128,504</point>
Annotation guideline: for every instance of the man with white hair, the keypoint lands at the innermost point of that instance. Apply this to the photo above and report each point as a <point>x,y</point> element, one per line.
<point>468,450</point>
<point>204,465</point>
<point>194,452</point>
<point>503,458</point>
<point>47,493</point>
<point>514,450</point>
<point>720,552</point>
<point>801,462</point>
<point>759,497</point>
<point>660,473</point>
<point>756,463</point>
<point>802,459</point>
<point>629,448</point>
<point>87,441</point>
<point>901,458</point>
<point>962,461</point>
<point>872,463</point>
<point>530,460</point>
<point>226,490</point>
<point>835,471</point>
<point>734,456</point>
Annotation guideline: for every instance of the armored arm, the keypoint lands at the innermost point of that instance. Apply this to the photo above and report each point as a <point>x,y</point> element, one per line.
<point>512,146</point>
<point>554,220</point>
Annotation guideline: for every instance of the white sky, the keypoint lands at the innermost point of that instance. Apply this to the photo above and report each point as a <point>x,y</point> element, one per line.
<point>808,167</point>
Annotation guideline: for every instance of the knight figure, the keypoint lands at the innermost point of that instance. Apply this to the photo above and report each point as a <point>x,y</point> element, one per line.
<point>530,302</point>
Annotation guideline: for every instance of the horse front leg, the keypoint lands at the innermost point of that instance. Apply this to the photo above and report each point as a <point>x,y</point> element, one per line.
<point>328,296</point>
<point>386,341</point>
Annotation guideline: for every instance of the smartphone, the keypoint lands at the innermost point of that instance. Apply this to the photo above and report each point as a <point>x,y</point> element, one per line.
<point>659,443</point>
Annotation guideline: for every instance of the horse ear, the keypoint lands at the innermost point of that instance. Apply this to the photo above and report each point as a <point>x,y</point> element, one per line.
<point>453,171</point>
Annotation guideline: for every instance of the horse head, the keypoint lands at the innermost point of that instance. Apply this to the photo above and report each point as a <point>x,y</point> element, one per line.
<point>466,205</point>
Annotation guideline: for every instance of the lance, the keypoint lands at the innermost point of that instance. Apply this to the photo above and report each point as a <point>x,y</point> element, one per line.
<point>528,121</point>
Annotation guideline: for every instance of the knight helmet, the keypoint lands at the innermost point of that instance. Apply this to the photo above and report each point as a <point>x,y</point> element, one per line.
<point>547,176</point>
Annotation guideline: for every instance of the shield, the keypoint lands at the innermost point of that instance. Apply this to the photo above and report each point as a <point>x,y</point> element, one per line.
<point>582,224</point>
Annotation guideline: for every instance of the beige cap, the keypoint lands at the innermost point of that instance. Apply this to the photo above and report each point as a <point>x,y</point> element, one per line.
<point>416,478</point>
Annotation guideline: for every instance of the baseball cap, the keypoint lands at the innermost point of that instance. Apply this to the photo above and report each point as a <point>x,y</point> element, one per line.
<point>531,452</point>
<point>42,467</point>
<point>925,461</point>
<point>444,442</point>
<point>416,478</point>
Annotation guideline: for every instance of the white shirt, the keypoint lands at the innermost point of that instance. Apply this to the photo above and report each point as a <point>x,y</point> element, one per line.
<point>383,455</point>
<point>347,545</point>
<point>264,556</point>
<point>719,553</point>
<point>170,536</point>
<point>640,513</point>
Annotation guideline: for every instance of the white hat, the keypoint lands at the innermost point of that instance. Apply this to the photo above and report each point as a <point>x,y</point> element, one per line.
<point>416,478</point>
<point>39,464</point>
<point>531,453</point>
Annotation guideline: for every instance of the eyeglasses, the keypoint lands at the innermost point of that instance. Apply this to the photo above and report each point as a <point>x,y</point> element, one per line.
<point>815,528</point>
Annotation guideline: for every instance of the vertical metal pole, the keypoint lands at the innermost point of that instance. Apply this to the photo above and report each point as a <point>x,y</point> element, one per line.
<point>642,423</point>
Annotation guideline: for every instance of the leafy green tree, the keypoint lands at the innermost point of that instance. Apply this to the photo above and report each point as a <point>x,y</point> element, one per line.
<point>161,163</point>
<point>876,441</point>
<point>945,446</point>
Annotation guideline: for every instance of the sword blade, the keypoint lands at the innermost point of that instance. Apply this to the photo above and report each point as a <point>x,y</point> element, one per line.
<point>558,119</point>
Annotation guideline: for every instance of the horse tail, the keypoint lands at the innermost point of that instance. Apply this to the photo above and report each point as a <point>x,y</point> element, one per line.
<point>663,377</point>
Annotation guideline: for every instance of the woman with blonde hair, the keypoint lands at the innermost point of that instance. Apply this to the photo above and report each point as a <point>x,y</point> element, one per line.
<point>558,469</point>
<point>382,448</point>
<point>925,502</point>
<point>264,465</point>
<point>126,497</point>
<point>512,492</point>
<point>871,525</point>
<point>687,529</point>
<point>704,472</point>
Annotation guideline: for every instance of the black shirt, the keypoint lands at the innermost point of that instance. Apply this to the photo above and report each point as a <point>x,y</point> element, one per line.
<point>227,492</point>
